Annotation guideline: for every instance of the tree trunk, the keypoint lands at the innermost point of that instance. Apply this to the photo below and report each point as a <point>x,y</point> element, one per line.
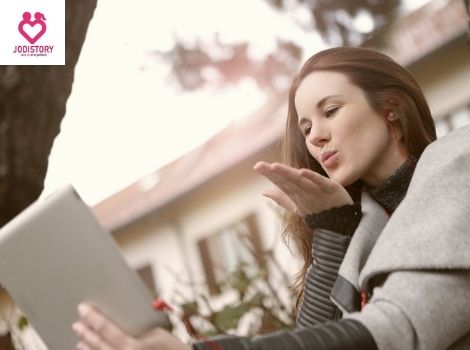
<point>32,105</point>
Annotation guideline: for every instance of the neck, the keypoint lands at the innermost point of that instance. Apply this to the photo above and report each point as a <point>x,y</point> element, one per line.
<point>385,166</point>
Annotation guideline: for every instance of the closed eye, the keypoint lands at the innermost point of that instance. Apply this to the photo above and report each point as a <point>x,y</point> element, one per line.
<point>330,111</point>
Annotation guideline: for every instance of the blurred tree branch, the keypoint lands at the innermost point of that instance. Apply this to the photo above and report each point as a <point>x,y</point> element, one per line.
<point>335,20</point>
<point>32,105</point>
<point>195,66</point>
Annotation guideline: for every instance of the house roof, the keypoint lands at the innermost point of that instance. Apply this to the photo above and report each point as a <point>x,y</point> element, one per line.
<point>237,142</point>
<point>410,39</point>
<point>425,30</point>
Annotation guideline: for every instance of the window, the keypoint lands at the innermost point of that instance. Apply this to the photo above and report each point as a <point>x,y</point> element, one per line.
<point>222,251</point>
<point>455,120</point>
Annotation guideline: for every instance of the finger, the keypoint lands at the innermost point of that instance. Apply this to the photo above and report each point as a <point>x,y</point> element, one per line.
<point>82,346</point>
<point>286,172</point>
<point>285,175</point>
<point>261,167</point>
<point>89,339</point>
<point>264,169</point>
<point>277,180</point>
<point>321,181</point>
<point>104,328</point>
<point>281,199</point>
<point>294,180</point>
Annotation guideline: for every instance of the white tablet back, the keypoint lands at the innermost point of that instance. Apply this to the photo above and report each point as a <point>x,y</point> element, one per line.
<point>55,255</point>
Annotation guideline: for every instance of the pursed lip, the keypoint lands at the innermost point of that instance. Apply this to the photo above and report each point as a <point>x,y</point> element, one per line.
<point>324,156</point>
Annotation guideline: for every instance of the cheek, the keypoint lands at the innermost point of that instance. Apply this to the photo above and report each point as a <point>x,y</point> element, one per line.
<point>372,144</point>
<point>362,143</point>
<point>312,150</point>
<point>366,135</point>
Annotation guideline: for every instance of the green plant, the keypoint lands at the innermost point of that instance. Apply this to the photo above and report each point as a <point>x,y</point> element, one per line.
<point>261,303</point>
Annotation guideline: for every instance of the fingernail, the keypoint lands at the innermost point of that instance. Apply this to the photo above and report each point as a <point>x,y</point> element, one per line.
<point>83,309</point>
<point>77,327</point>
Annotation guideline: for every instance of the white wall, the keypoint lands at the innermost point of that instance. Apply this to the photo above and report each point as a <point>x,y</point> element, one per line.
<point>445,78</point>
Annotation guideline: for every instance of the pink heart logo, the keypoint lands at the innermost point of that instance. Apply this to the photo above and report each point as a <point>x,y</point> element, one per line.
<point>30,32</point>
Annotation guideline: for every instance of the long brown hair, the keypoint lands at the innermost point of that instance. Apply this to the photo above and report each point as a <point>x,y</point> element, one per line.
<point>387,86</point>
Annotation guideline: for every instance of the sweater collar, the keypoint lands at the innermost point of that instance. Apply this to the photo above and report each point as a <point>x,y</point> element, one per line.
<point>391,192</point>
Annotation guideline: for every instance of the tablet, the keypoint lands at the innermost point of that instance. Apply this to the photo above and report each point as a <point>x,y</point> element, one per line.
<point>54,255</point>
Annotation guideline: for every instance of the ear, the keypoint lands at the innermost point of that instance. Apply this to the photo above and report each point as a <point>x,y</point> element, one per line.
<point>391,116</point>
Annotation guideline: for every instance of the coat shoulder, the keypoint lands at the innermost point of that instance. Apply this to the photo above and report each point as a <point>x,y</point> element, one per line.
<point>430,228</point>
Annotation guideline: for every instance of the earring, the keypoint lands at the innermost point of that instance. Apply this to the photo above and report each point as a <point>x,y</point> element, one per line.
<point>391,116</point>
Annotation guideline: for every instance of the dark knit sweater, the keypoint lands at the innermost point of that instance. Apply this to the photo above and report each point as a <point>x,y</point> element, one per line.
<point>389,195</point>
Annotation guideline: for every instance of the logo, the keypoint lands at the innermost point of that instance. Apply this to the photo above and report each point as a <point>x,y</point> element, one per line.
<point>32,31</point>
<point>27,27</point>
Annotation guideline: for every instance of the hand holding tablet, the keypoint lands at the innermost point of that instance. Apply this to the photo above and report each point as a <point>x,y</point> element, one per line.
<point>55,255</point>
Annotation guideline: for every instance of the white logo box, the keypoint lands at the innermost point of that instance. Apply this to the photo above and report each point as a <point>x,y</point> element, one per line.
<point>28,46</point>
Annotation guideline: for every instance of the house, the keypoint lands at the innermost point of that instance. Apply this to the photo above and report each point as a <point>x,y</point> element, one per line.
<point>178,225</point>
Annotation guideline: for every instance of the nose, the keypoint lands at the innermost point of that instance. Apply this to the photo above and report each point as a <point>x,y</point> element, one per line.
<point>318,136</point>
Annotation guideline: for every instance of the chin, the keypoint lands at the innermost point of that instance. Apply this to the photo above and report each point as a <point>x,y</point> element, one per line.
<point>344,179</point>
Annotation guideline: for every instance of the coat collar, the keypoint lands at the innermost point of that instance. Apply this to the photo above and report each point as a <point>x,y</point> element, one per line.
<point>391,192</point>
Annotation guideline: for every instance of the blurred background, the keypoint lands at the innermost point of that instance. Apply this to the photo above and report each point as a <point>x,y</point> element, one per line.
<point>155,80</point>
<point>160,114</point>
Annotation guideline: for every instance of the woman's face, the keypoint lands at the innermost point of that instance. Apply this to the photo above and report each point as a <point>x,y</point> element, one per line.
<point>342,132</point>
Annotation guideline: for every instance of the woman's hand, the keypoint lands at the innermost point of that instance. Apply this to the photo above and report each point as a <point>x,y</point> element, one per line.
<point>96,332</point>
<point>302,191</point>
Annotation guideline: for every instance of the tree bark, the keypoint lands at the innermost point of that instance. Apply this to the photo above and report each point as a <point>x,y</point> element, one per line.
<point>32,105</point>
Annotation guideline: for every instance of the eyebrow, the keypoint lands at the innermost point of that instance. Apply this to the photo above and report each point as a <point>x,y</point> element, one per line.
<point>319,106</point>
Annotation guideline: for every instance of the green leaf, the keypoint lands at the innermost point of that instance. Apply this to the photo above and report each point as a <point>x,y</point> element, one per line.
<point>256,300</point>
<point>22,323</point>
<point>270,323</point>
<point>228,317</point>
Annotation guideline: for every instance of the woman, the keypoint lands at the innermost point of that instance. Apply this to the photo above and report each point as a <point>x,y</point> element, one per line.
<point>357,126</point>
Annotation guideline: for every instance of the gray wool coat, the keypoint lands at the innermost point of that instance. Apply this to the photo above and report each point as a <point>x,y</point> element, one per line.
<point>415,264</point>
<point>420,255</point>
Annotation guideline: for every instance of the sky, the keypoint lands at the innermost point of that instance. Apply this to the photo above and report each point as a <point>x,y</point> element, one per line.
<point>125,118</point>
